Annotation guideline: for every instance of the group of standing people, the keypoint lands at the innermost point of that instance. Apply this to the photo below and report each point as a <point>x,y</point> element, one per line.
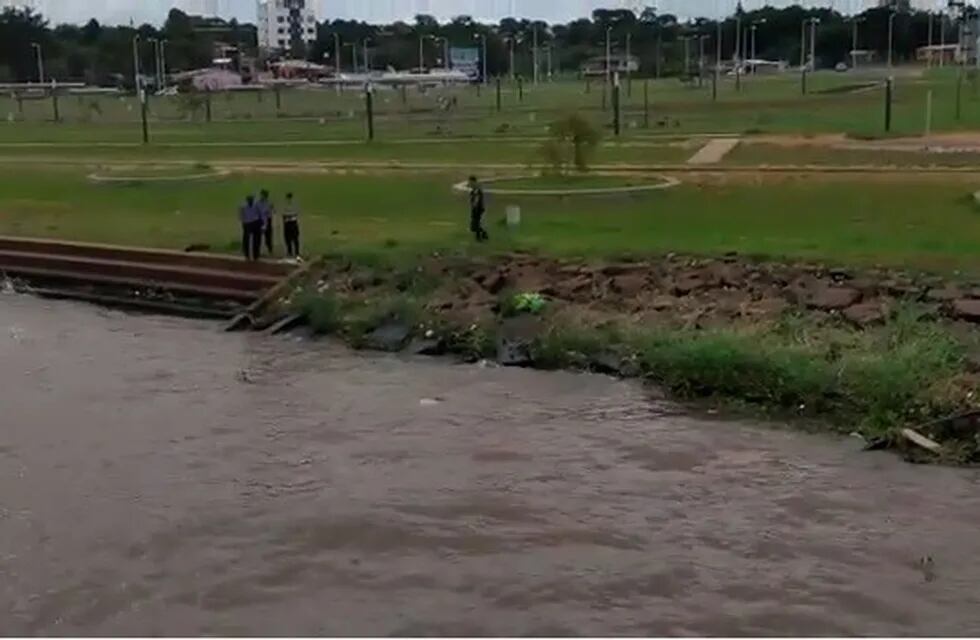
<point>258,219</point>
<point>258,222</point>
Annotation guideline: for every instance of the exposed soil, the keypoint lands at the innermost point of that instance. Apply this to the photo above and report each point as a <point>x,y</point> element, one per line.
<point>681,291</point>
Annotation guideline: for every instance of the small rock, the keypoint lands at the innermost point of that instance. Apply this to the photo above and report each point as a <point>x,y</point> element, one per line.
<point>630,285</point>
<point>966,309</point>
<point>495,283</point>
<point>514,341</point>
<point>663,303</point>
<point>606,363</point>
<point>866,313</point>
<point>947,294</point>
<point>973,362</point>
<point>833,298</point>
<point>390,336</point>
<point>427,347</point>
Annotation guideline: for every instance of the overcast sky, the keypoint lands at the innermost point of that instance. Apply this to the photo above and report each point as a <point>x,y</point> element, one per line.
<point>122,11</point>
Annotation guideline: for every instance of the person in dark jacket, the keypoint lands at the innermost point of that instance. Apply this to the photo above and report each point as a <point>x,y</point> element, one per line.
<point>477,209</point>
<point>268,212</point>
<point>290,226</point>
<point>251,219</point>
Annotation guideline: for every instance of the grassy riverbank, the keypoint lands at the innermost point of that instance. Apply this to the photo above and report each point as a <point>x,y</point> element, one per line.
<point>928,224</point>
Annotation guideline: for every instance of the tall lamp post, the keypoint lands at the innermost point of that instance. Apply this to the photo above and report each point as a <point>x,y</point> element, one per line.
<point>608,55</point>
<point>891,36</point>
<point>755,27</point>
<point>855,21</point>
<point>40,61</point>
<point>367,60</point>
<point>336,51</point>
<point>511,41</point>
<point>483,54</point>
<point>813,42</point>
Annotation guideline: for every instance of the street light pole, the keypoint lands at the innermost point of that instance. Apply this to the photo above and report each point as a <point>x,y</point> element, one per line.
<point>687,56</point>
<point>534,54</point>
<point>891,36</point>
<point>40,62</point>
<point>511,41</point>
<point>854,42</point>
<point>367,61</point>
<point>929,59</point>
<point>483,46</point>
<point>136,65</point>
<point>803,46</point>
<point>942,39</point>
<point>163,62</point>
<point>813,42</point>
<point>421,54</point>
<point>608,55</point>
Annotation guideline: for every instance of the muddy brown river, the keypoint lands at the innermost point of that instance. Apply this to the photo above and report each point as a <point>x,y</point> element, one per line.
<point>158,476</point>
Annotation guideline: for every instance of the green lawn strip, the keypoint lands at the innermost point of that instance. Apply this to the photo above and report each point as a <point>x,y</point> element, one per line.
<point>773,104</point>
<point>769,154</point>
<point>923,225</point>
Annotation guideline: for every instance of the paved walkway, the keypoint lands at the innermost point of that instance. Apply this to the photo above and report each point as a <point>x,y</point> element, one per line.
<point>715,151</point>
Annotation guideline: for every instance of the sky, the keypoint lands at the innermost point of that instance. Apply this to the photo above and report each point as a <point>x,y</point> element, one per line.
<point>382,11</point>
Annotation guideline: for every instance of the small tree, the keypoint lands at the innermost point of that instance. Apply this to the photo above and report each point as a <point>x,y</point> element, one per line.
<point>572,142</point>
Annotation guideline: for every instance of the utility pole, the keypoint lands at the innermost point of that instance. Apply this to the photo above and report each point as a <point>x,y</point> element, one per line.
<point>337,63</point>
<point>929,59</point>
<point>367,61</point>
<point>738,45</point>
<point>813,42</point>
<point>551,47</point>
<point>891,36</point>
<point>163,62</point>
<point>617,119</point>
<point>714,86</point>
<point>942,39</point>
<point>803,45</point>
<point>701,40</point>
<point>369,104</point>
<point>40,62</point>
<point>687,56</point>
<point>534,54</point>
<point>421,54</point>
<point>608,55</point>
<point>629,73</point>
<point>483,54</point>
<point>755,28</point>
<point>854,41</point>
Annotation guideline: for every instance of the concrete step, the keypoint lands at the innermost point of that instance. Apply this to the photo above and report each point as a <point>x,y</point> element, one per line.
<point>155,273</point>
<point>71,277</point>
<point>217,262</point>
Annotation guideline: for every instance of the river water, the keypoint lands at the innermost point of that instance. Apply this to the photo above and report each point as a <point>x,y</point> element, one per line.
<point>158,476</point>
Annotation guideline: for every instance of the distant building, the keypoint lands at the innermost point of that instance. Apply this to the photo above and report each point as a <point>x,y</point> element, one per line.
<point>945,53</point>
<point>617,64</point>
<point>285,24</point>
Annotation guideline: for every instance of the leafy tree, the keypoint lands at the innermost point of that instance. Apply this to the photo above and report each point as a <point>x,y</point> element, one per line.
<point>572,142</point>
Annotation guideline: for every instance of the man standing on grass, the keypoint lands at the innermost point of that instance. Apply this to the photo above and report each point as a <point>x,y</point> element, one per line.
<point>290,226</point>
<point>251,219</point>
<point>477,209</point>
<point>268,213</point>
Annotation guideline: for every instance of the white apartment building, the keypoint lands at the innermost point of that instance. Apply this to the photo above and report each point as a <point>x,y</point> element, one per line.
<point>282,23</point>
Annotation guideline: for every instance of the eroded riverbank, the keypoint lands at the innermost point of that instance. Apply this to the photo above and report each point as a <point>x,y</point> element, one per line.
<point>158,476</point>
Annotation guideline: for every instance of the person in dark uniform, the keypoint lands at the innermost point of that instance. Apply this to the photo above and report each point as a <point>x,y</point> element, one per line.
<point>268,212</point>
<point>290,226</point>
<point>477,209</point>
<point>251,219</point>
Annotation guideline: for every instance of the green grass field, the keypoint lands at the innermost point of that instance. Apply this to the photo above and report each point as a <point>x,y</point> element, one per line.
<point>928,225</point>
<point>835,103</point>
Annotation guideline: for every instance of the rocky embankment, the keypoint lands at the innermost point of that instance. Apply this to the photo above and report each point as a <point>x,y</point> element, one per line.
<point>871,349</point>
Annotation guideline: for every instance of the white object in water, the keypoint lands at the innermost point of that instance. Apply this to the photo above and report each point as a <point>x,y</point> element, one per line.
<point>513,216</point>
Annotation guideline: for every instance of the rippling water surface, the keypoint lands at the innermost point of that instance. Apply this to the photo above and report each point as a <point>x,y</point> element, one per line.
<point>147,486</point>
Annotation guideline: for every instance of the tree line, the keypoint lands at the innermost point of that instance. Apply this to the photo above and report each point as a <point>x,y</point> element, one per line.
<point>663,44</point>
